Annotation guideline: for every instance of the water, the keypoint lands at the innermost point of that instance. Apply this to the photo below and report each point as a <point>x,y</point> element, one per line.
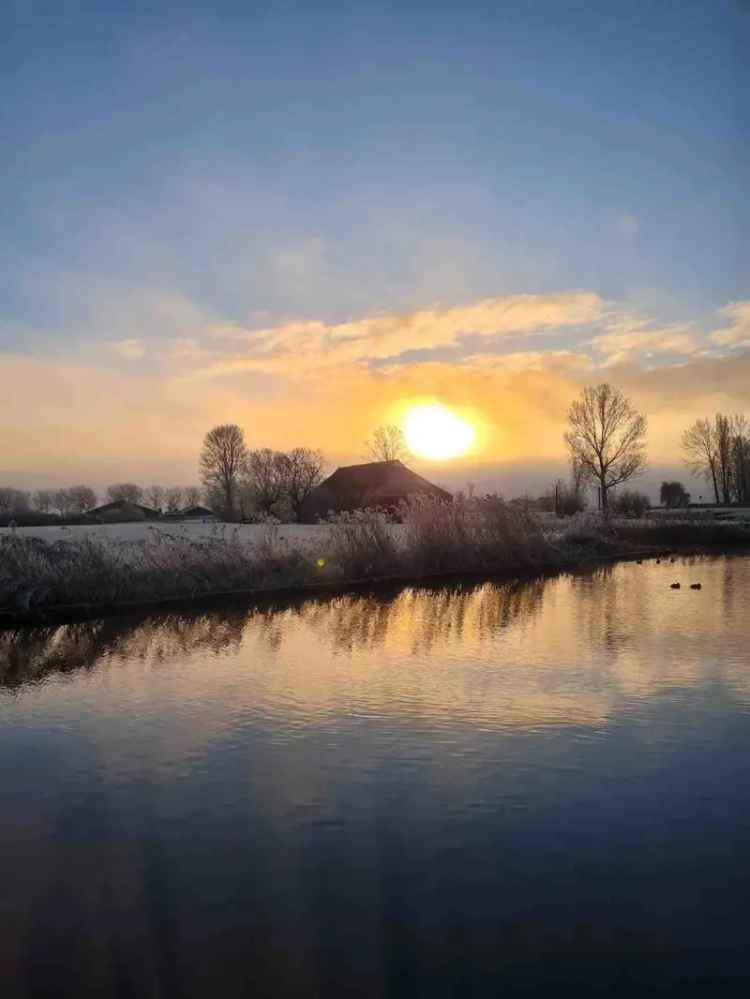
<point>477,790</point>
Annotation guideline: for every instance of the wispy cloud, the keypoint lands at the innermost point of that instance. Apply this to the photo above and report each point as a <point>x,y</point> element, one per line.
<point>625,345</point>
<point>301,346</point>
<point>737,333</point>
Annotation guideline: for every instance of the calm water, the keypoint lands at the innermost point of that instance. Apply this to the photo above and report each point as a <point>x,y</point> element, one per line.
<point>479,790</point>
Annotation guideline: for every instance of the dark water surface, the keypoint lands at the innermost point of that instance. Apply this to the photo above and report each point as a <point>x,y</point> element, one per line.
<point>467,791</point>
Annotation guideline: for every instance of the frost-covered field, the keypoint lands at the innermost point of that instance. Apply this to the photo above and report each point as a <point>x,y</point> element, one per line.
<point>300,536</point>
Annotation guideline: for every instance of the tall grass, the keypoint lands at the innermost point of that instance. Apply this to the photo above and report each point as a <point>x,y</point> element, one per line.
<point>472,535</point>
<point>486,536</point>
<point>35,573</point>
<point>363,544</point>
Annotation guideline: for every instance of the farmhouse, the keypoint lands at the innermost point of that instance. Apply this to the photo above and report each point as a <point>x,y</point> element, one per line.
<point>381,484</point>
<point>123,511</point>
<point>196,512</point>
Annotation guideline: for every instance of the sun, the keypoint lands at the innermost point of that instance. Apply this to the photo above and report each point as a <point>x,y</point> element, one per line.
<point>434,431</point>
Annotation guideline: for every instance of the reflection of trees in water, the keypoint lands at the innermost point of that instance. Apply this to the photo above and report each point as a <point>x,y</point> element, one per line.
<point>415,618</point>
<point>28,655</point>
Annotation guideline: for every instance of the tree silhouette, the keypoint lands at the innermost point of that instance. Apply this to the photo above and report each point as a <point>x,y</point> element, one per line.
<point>387,444</point>
<point>222,461</point>
<point>606,438</point>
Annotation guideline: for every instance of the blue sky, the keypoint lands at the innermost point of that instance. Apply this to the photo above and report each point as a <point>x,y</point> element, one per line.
<point>172,169</point>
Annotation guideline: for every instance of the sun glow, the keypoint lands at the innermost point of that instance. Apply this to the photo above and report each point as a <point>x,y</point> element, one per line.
<point>434,431</point>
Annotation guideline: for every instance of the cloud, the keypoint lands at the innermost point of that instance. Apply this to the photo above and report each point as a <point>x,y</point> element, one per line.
<point>300,346</point>
<point>737,334</point>
<point>511,364</point>
<point>619,347</point>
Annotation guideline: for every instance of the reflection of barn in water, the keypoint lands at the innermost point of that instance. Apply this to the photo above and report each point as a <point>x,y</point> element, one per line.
<point>377,484</point>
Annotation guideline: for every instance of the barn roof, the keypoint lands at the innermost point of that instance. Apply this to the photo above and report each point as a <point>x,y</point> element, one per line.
<point>123,506</point>
<point>376,483</point>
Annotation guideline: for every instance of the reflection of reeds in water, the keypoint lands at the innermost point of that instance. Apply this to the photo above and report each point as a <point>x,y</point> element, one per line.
<point>568,646</point>
<point>415,618</point>
<point>29,654</point>
<point>422,618</point>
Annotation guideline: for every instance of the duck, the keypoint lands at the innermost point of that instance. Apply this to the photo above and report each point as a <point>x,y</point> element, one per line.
<point>695,586</point>
<point>674,586</point>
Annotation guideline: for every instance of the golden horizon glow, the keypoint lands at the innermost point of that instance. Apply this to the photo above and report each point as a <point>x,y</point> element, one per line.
<point>435,432</point>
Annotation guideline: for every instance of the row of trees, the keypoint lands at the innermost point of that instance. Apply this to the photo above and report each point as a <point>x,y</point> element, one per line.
<point>168,499</point>
<point>606,440</point>
<point>719,451</point>
<point>74,501</point>
<point>239,481</point>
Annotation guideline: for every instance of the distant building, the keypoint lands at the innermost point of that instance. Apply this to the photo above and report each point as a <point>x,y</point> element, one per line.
<point>123,511</point>
<point>377,484</point>
<point>196,512</point>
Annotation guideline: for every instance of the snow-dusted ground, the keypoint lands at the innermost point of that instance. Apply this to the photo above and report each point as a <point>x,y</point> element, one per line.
<point>305,537</point>
<point>302,536</point>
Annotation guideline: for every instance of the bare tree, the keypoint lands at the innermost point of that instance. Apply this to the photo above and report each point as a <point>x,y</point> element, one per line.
<point>155,497</point>
<point>80,499</point>
<point>191,495</point>
<point>126,492</point>
<point>173,499</point>
<point>303,471</point>
<point>43,500</point>
<point>701,453</point>
<point>222,461</point>
<point>13,500</point>
<point>62,502</point>
<point>606,438</point>
<point>387,444</point>
<point>740,463</point>
<point>266,477</point>
<point>723,435</point>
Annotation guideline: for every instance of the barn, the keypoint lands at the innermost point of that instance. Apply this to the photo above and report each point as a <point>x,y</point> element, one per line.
<point>377,484</point>
<point>123,511</point>
<point>195,512</point>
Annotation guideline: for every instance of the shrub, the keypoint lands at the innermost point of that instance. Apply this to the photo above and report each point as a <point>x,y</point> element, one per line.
<point>630,503</point>
<point>589,531</point>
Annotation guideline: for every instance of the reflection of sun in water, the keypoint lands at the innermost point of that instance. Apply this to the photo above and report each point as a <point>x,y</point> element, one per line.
<point>434,431</point>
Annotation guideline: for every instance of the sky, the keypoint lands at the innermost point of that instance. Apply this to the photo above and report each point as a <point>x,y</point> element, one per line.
<point>300,216</point>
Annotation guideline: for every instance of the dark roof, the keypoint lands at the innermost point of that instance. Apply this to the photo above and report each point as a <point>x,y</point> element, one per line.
<point>194,511</point>
<point>375,484</point>
<point>124,506</point>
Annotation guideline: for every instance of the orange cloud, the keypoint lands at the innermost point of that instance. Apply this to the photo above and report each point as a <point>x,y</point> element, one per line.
<point>296,347</point>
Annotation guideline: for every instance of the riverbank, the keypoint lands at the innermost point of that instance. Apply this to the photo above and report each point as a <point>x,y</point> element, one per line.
<point>88,577</point>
